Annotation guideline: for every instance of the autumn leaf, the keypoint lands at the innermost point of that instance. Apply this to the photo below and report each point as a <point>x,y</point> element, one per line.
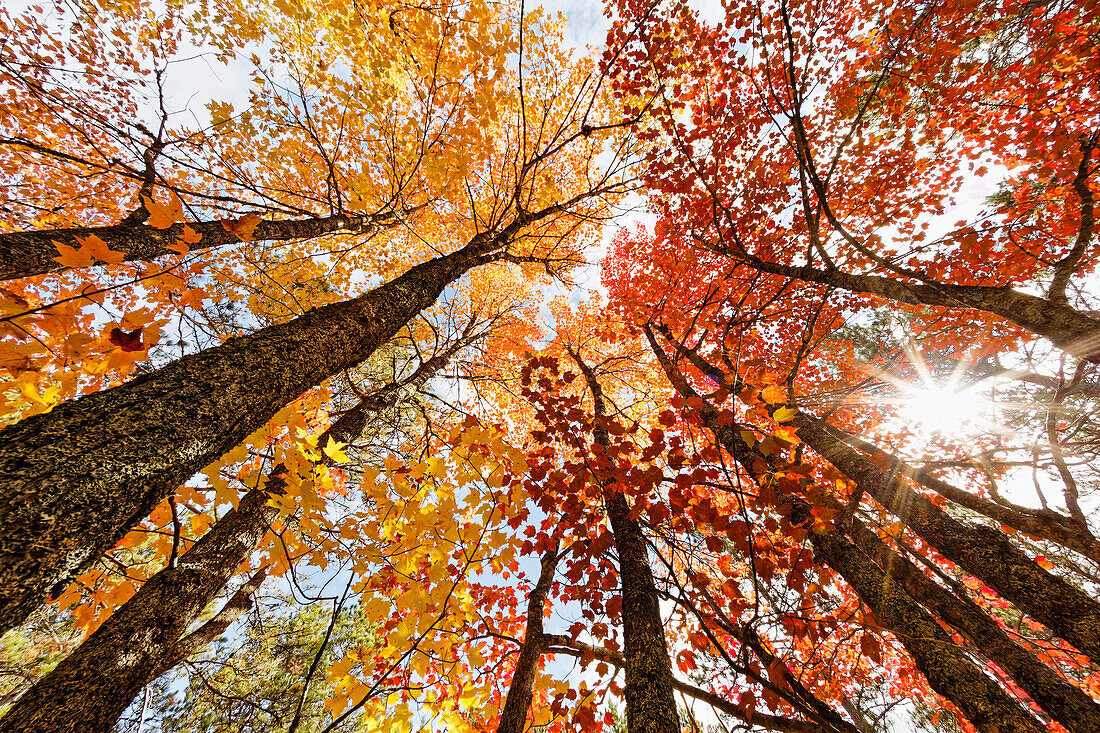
<point>127,340</point>
<point>244,227</point>
<point>162,216</point>
<point>334,450</point>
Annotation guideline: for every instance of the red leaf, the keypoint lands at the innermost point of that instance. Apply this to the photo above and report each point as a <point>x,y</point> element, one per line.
<point>128,341</point>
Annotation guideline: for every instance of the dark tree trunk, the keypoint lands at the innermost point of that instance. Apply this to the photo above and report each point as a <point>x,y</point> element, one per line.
<point>513,716</point>
<point>1065,703</point>
<point>23,254</point>
<point>982,551</point>
<point>92,687</point>
<point>76,479</point>
<point>650,706</point>
<point>946,667</point>
<point>1075,331</point>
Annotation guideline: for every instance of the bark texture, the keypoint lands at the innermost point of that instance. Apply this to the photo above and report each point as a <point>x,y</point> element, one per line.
<point>23,254</point>
<point>92,687</point>
<point>76,479</point>
<point>947,668</point>
<point>982,551</point>
<point>1067,704</point>
<point>650,706</point>
<point>513,716</point>
<point>1070,329</point>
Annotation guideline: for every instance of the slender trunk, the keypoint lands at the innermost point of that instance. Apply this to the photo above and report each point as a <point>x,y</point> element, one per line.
<point>982,551</point>
<point>513,717</point>
<point>23,254</point>
<point>946,667</point>
<point>1046,524</point>
<point>76,479</point>
<point>91,688</point>
<point>1062,701</point>
<point>1070,329</point>
<point>650,706</point>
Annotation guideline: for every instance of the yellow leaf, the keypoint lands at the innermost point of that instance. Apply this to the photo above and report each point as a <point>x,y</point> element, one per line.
<point>784,414</point>
<point>162,216</point>
<point>334,452</point>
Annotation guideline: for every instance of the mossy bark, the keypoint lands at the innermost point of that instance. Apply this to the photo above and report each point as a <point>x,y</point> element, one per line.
<point>73,481</point>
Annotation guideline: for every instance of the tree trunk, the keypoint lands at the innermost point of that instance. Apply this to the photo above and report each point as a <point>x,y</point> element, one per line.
<point>1069,329</point>
<point>513,716</point>
<point>982,551</point>
<point>1065,703</point>
<point>92,687</point>
<point>650,706</point>
<point>946,667</point>
<point>76,479</point>
<point>23,254</point>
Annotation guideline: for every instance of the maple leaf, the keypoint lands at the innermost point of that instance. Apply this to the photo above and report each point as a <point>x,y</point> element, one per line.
<point>162,216</point>
<point>127,340</point>
<point>244,227</point>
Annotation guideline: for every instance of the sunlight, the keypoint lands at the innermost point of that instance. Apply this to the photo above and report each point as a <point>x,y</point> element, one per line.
<point>941,409</point>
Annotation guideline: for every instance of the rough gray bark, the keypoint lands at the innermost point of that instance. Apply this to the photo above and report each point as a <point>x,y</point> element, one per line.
<point>76,479</point>
<point>23,254</point>
<point>650,706</point>
<point>947,668</point>
<point>92,687</point>
<point>513,716</point>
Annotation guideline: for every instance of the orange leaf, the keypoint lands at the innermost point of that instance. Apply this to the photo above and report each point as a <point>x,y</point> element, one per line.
<point>162,216</point>
<point>92,250</point>
<point>242,228</point>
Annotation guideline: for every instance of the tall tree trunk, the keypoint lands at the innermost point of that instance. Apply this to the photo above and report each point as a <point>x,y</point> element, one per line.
<point>1065,703</point>
<point>23,254</point>
<point>91,688</point>
<point>946,667</point>
<point>1075,331</point>
<point>513,716</point>
<point>982,551</point>
<point>1044,523</point>
<point>73,481</point>
<point>650,706</point>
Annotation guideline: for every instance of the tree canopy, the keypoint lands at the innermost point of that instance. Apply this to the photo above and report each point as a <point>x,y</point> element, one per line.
<point>401,366</point>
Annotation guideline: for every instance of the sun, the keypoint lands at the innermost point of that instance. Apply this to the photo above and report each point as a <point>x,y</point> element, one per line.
<point>944,409</point>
